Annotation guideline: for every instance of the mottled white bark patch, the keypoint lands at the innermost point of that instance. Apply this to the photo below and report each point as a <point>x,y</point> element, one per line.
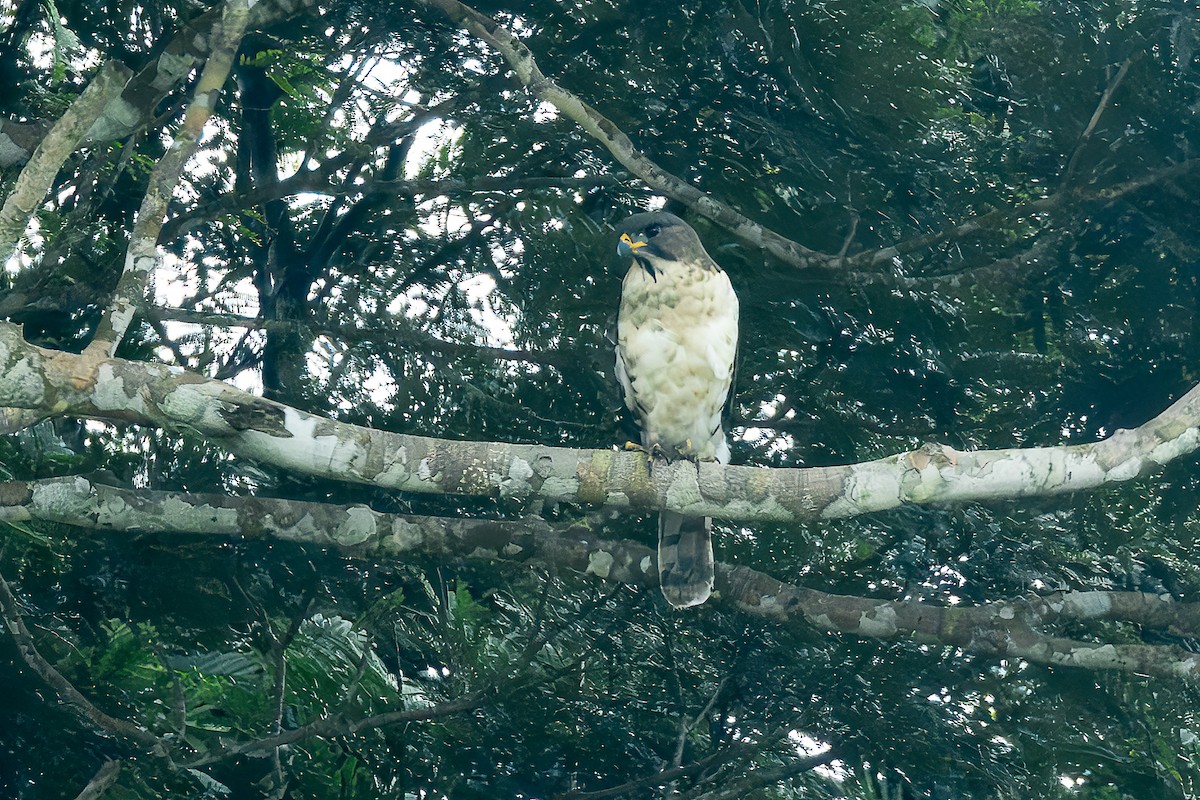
<point>312,442</point>
<point>406,536</point>
<point>868,487</point>
<point>205,516</point>
<point>120,116</point>
<point>113,511</point>
<point>73,498</point>
<point>1008,473</point>
<point>1104,656</point>
<point>684,489</point>
<point>1088,604</point>
<point>560,488</point>
<point>1181,445</point>
<point>517,484</point>
<point>599,563</point>
<point>768,509</point>
<point>879,622</point>
<point>924,480</point>
<point>1184,669</point>
<point>23,381</point>
<point>617,500</point>
<point>425,470</point>
<point>395,470</point>
<point>187,405</point>
<point>305,527</point>
<point>1127,469</point>
<point>1083,470</point>
<point>356,527</point>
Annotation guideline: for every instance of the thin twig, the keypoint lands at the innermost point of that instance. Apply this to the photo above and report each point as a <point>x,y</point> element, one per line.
<point>525,67</point>
<point>1101,106</point>
<point>105,777</point>
<point>66,692</point>
<point>770,776</point>
<point>665,776</point>
<point>405,335</point>
<point>337,725</point>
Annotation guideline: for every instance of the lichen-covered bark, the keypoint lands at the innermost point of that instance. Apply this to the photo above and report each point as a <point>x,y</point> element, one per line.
<point>1011,629</point>
<point>35,179</point>
<point>142,257</point>
<point>94,386</point>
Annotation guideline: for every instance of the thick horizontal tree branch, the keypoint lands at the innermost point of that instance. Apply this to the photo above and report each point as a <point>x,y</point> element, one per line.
<point>1008,629</point>
<point>54,382</point>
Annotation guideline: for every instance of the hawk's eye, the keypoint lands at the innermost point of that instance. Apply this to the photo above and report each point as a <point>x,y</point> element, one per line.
<point>653,230</point>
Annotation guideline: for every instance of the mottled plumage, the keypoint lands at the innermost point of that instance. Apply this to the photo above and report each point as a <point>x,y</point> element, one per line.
<point>677,333</point>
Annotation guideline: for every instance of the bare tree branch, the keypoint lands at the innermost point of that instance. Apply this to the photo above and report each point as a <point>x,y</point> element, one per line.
<point>270,432</point>
<point>142,256</point>
<point>1005,629</point>
<point>523,64</point>
<point>14,621</point>
<point>38,173</point>
<point>1086,136</point>
<point>105,777</point>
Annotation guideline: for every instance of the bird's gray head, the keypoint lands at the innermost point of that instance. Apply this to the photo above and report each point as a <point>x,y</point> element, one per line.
<point>657,237</point>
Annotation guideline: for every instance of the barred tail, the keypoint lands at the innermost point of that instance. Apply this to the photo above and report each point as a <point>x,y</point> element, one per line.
<point>685,558</point>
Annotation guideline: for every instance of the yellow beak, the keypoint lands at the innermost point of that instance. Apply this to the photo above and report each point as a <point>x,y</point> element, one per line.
<point>627,246</point>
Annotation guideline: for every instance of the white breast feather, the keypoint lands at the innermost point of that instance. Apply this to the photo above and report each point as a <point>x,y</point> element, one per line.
<point>677,340</point>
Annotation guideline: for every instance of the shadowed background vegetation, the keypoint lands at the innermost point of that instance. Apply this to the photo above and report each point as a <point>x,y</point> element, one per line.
<point>384,227</point>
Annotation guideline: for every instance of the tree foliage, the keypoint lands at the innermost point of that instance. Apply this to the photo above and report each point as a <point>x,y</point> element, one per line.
<point>386,222</point>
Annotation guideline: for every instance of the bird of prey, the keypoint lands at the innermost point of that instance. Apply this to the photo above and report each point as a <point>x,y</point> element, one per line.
<point>677,332</point>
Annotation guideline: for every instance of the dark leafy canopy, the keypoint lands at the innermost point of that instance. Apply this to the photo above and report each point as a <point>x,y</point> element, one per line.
<point>1068,130</point>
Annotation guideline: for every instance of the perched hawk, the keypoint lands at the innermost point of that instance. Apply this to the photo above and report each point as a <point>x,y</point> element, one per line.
<point>677,334</point>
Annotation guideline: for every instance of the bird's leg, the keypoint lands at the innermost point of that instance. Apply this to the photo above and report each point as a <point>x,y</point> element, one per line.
<point>656,454</point>
<point>653,453</point>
